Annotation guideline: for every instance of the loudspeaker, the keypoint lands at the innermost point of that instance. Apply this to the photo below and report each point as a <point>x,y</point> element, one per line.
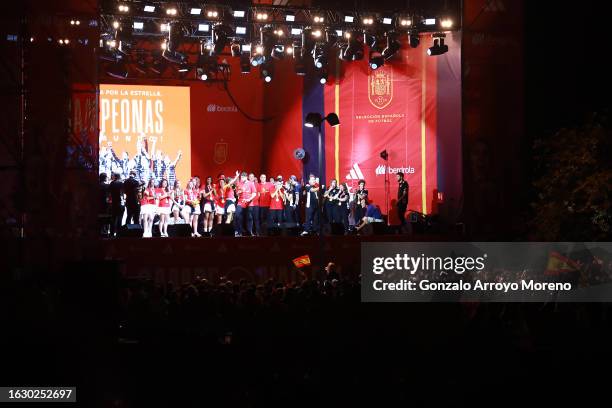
<point>223,230</point>
<point>179,230</point>
<point>131,231</point>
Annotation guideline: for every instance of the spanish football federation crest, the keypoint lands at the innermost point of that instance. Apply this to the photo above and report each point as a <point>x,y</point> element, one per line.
<point>221,151</point>
<point>380,87</point>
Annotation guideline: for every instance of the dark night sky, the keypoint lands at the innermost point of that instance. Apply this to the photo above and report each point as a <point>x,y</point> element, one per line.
<point>565,61</point>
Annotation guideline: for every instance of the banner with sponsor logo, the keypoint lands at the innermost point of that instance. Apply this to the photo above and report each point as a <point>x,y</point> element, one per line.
<point>146,129</point>
<point>409,108</point>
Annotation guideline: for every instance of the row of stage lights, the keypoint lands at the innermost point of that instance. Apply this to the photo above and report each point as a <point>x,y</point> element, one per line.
<point>314,38</point>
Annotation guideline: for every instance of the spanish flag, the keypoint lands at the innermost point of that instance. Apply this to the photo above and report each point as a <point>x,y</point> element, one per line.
<point>301,261</point>
<point>559,264</point>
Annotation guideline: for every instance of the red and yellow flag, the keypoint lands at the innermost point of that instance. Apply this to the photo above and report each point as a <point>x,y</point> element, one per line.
<point>301,261</point>
<point>559,264</point>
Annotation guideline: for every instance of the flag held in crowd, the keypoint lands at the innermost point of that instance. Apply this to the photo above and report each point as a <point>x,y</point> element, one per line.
<point>301,261</point>
<point>559,264</point>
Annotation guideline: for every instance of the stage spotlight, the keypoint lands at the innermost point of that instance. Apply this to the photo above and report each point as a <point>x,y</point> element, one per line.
<point>278,51</point>
<point>446,23</point>
<point>220,34</point>
<point>368,21</point>
<point>261,16</point>
<point>138,25</point>
<point>387,20</point>
<point>115,25</point>
<point>290,17</point>
<point>322,74</point>
<point>393,45</point>
<point>241,30</point>
<point>235,49</point>
<point>171,11</point>
<point>414,39</point>
<point>315,119</point>
<point>149,9</point>
<point>195,11</point>
<point>245,64</point>
<point>405,22</point>
<point>206,67</point>
<point>339,33</point>
<point>123,8</point>
<point>256,58</point>
<point>319,19</point>
<point>289,49</point>
<point>204,27</point>
<point>296,31</point>
<point>317,33</point>
<point>267,72</point>
<point>349,19</point>
<point>164,27</point>
<point>438,48</point>
<point>429,21</point>
<point>354,49</point>
<point>239,13</point>
<point>212,14</point>
<point>376,59</point>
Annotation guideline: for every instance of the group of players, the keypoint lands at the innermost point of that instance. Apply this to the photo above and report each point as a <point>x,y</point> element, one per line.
<point>250,204</point>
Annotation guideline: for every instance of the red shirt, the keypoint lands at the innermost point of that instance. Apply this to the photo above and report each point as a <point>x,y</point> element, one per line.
<point>149,195</point>
<point>163,202</point>
<point>192,196</point>
<point>264,190</point>
<point>244,191</point>
<point>255,201</point>
<point>276,203</point>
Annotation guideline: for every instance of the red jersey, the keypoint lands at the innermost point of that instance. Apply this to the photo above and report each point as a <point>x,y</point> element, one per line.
<point>264,190</point>
<point>163,202</point>
<point>255,201</point>
<point>149,195</point>
<point>192,196</point>
<point>245,191</point>
<point>276,203</point>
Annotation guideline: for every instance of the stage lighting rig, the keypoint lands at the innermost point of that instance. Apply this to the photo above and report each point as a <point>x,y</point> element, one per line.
<point>220,38</point>
<point>322,75</point>
<point>446,23</point>
<point>245,64</point>
<point>414,39</point>
<point>438,47</point>
<point>405,22</point>
<point>353,51</point>
<point>393,45</point>
<point>175,36</point>
<point>376,59</point>
<point>207,67</point>
<point>267,71</point>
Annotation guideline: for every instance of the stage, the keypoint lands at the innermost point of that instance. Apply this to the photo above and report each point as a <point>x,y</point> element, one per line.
<point>180,260</point>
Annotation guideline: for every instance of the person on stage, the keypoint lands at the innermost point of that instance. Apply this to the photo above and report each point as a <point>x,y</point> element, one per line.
<point>220,198</point>
<point>264,189</point>
<point>180,209</point>
<point>132,187</point>
<point>208,196</point>
<point>164,198</point>
<point>330,200</point>
<point>296,188</point>
<point>245,194</point>
<point>402,197</point>
<point>372,215</point>
<point>192,199</point>
<point>230,197</point>
<point>311,204</point>
<point>277,204</point>
<point>361,201</point>
<point>342,206</point>
<point>149,208</point>
<point>254,206</point>
<point>291,198</point>
<point>115,189</point>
